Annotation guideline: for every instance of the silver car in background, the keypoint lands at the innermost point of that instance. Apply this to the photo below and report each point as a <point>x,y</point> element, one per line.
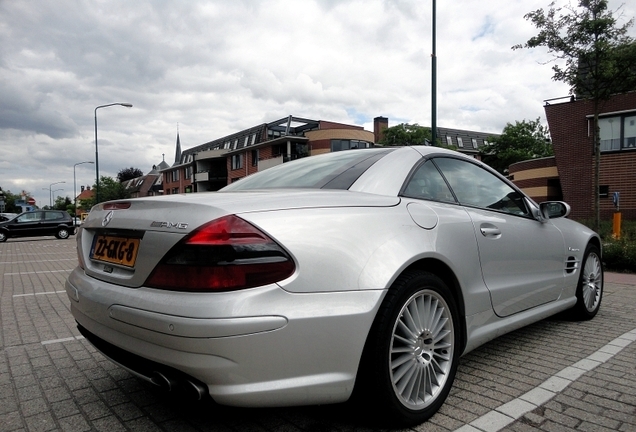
<point>363,273</point>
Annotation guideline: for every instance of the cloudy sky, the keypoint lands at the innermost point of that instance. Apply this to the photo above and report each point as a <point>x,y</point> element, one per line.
<point>211,68</point>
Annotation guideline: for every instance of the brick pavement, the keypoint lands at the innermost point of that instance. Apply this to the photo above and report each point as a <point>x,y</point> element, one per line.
<point>555,375</point>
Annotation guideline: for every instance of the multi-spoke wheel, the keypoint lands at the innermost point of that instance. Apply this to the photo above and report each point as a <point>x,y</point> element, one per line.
<point>62,233</point>
<point>421,350</point>
<point>3,236</point>
<point>590,289</point>
<point>412,352</point>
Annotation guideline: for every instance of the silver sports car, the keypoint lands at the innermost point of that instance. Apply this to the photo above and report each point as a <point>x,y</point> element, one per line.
<point>363,273</point>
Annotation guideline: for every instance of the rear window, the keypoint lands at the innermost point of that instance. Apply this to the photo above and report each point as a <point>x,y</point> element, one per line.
<point>338,170</point>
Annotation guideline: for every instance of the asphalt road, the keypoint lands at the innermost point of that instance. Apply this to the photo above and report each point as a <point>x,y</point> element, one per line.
<point>555,375</point>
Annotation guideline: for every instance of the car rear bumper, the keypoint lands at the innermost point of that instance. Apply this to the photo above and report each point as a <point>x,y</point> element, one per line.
<point>256,347</point>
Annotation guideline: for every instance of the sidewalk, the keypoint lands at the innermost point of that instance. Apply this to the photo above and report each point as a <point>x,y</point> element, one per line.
<point>620,278</point>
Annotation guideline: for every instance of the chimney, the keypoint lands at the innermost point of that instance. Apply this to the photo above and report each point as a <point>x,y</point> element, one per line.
<point>81,189</point>
<point>379,124</point>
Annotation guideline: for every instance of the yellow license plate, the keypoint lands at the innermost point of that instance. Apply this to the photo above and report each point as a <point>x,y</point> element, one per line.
<point>115,250</point>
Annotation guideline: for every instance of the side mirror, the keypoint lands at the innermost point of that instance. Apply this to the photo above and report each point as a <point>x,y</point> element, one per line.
<point>554,209</point>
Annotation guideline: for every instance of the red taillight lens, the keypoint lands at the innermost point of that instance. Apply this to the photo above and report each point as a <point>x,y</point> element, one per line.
<point>225,254</point>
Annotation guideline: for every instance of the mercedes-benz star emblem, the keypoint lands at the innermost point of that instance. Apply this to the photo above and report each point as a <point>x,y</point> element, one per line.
<point>107,218</point>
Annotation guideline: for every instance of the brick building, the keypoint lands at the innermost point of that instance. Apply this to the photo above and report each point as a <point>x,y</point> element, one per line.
<point>210,166</point>
<point>571,129</point>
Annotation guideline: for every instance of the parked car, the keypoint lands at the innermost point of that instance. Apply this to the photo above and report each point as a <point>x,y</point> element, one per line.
<point>38,223</point>
<point>7,216</point>
<point>363,273</point>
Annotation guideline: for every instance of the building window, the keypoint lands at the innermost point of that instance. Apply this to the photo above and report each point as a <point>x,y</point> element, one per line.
<point>460,143</point>
<point>175,191</point>
<point>603,191</point>
<point>618,132</point>
<point>474,141</point>
<point>255,157</point>
<point>253,139</point>
<point>235,144</point>
<point>237,161</point>
<point>339,145</point>
<point>174,175</point>
<point>449,140</point>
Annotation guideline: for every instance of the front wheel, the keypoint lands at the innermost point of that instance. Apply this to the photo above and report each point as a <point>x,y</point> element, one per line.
<point>589,291</point>
<point>413,350</point>
<point>3,236</point>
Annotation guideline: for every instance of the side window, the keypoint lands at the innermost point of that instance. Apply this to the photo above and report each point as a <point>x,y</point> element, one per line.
<point>474,186</point>
<point>29,217</point>
<point>53,215</point>
<point>427,183</point>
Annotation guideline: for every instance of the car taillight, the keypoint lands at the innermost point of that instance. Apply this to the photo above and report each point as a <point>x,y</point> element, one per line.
<point>225,254</point>
<point>80,258</point>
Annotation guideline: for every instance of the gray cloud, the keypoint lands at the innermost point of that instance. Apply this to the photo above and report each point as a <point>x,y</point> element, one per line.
<point>215,67</point>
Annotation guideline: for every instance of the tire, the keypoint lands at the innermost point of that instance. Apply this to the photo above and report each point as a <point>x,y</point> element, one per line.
<point>62,233</point>
<point>589,291</point>
<point>3,236</point>
<point>412,352</point>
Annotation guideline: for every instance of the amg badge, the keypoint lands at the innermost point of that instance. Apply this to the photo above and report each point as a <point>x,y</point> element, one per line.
<point>177,225</point>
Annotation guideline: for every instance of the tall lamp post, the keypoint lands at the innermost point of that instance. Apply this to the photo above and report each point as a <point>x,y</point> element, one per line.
<point>434,83</point>
<point>127,105</point>
<point>75,187</point>
<point>51,193</point>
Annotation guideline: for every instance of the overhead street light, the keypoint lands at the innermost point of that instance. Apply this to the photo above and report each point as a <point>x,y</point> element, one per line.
<point>127,105</point>
<point>51,193</point>
<point>75,187</point>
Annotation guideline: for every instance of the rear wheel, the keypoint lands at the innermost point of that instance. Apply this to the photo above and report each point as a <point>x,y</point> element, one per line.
<point>412,353</point>
<point>62,233</point>
<point>3,236</point>
<point>589,291</point>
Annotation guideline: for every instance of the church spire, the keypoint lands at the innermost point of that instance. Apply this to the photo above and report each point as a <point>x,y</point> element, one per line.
<point>177,153</point>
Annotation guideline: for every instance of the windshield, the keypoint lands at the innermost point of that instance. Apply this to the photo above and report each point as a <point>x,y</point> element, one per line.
<point>336,170</point>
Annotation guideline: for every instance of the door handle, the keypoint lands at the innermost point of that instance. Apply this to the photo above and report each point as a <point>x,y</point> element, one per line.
<point>490,231</point>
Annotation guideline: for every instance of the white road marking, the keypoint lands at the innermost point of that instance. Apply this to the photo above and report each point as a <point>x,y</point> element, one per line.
<point>47,342</point>
<point>39,293</point>
<point>507,413</point>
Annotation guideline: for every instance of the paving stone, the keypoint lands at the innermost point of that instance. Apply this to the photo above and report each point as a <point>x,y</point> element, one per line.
<point>579,376</point>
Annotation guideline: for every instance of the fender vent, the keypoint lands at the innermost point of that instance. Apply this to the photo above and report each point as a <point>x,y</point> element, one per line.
<point>571,264</point>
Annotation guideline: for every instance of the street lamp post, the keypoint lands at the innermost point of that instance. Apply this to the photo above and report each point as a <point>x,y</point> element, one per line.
<point>434,82</point>
<point>75,187</point>
<point>127,105</point>
<point>51,193</point>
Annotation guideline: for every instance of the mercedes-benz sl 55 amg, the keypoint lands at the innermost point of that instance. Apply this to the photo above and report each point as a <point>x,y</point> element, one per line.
<point>364,272</point>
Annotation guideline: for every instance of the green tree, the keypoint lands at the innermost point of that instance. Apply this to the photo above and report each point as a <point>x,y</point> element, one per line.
<point>109,189</point>
<point>128,174</point>
<point>598,56</point>
<point>406,134</point>
<point>524,140</point>
<point>63,203</point>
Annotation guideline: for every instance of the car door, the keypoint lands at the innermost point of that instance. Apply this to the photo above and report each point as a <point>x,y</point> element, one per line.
<point>27,224</point>
<point>50,222</point>
<point>522,259</point>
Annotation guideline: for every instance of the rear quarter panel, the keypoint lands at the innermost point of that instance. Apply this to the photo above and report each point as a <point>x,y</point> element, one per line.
<point>361,248</point>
